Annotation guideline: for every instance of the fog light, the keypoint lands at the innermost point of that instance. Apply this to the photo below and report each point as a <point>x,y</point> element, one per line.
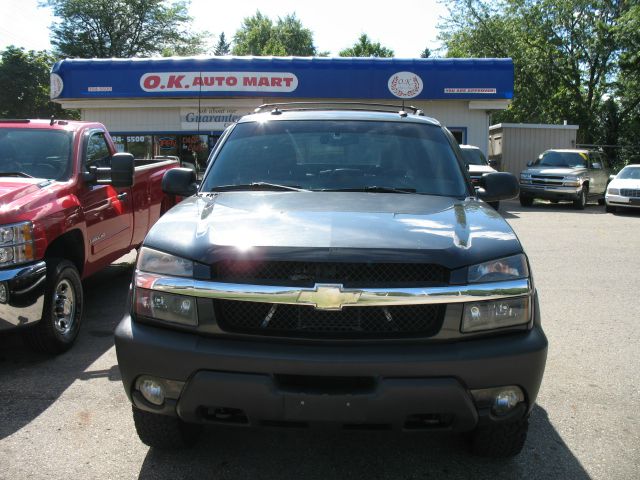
<point>151,390</point>
<point>4,294</point>
<point>504,402</point>
<point>156,390</point>
<point>501,400</point>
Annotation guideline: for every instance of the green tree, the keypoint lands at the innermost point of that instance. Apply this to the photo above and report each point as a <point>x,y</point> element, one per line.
<point>24,83</point>
<point>426,53</point>
<point>122,28</point>
<point>626,121</point>
<point>364,47</point>
<point>222,47</point>
<point>259,36</point>
<point>564,54</point>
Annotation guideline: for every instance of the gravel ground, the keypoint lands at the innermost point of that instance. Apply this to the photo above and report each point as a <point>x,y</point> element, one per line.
<point>68,417</point>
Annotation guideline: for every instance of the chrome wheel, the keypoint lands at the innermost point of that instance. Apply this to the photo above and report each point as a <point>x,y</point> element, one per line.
<point>64,307</point>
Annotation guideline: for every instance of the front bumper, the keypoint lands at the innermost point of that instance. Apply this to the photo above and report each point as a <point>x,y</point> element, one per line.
<point>25,287</point>
<point>620,201</point>
<point>386,383</point>
<point>550,192</point>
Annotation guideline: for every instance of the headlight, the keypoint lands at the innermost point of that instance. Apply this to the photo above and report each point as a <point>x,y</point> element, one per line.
<point>508,268</point>
<point>154,261</point>
<point>613,191</point>
<point>525,175</point>
<point>508,312</point>
<point>169,307</point>
<point>572,181</point>
<point>16,244</point>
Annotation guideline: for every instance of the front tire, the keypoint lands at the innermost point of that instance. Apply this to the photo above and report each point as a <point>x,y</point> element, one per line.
<point>62,313</point>
<point>581,202</point>
<point>500,440</point>
<point>526,201</point>
<point>164,432</point>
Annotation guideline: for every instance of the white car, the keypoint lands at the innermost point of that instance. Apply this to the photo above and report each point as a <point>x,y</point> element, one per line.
<point>624,189</point>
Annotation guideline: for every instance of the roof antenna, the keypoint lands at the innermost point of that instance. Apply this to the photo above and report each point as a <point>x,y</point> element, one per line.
<point>53,120</point>
<point>403,112</point>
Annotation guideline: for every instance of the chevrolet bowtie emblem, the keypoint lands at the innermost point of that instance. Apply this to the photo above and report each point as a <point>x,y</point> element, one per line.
<point>328,297</point>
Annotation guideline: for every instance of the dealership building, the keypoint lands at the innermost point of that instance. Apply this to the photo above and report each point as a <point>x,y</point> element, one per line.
<point>180,106</point>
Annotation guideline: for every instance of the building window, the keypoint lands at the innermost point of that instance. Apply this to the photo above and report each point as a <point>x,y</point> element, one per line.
<point>140,146</point>
<point>459,133</point>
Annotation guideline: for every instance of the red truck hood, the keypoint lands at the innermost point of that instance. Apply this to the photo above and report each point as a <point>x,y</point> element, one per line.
<point>11,189</point>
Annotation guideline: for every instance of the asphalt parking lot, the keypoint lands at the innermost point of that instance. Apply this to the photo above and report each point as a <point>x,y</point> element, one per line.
<point>68,417</point>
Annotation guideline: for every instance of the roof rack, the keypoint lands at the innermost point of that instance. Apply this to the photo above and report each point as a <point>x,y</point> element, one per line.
<point>278,108</point>
<point>14,120</point>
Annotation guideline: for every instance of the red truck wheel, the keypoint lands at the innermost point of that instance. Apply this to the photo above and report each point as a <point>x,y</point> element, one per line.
<point>62,312</point>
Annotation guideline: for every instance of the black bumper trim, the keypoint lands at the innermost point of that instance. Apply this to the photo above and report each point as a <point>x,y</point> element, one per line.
<point>208,364</point>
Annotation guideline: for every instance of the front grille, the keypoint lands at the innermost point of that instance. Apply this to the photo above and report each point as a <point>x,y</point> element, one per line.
<point>549,181</point>
<point>630,192</point>
<point>302,321</point>
<point>347,274</point>
<point>547,177</point>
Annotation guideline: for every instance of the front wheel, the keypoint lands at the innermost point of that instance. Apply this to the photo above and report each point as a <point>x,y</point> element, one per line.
<point>526,201</point>
<point>62,312</point>
<point>164,432</point>
<point>581,202</point>
<point>500,440</point>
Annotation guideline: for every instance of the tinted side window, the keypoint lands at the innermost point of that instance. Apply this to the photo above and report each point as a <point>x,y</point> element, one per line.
<point>98,154</point>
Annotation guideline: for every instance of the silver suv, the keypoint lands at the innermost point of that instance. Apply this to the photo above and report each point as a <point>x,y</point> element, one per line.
<point>571,174</point>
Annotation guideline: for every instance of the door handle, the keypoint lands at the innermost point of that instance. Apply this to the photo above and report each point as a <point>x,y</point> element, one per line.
<point>121,196</point>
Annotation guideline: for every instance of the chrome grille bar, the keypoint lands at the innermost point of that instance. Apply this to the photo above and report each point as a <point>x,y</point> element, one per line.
<point>333,296</point>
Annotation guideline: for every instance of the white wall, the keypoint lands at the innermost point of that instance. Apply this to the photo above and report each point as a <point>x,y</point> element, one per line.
<point>164,116</point>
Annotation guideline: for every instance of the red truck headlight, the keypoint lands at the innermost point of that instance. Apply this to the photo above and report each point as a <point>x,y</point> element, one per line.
<point>16,244</point>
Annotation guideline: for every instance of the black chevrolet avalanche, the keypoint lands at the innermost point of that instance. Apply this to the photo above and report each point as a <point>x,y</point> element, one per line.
<point>334,267</point>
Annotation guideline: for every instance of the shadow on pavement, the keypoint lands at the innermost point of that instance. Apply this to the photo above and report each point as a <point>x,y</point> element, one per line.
<point>31,382</point>
<point>265,454</point>
<point>513,209</point>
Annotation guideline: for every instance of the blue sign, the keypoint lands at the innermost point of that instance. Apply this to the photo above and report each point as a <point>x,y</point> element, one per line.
<point>295,77</point>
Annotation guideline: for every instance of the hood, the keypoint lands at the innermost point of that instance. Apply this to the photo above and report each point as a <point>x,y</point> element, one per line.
<point>555,170</point>
<point>11,189</point>
<point>336,226</point>
<point>21,195</point>
<point>480,169</point>
<point>625,183</point>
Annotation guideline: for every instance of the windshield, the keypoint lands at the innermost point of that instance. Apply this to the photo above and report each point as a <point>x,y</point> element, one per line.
<point>562,159</point>
<point>474,156</point>
<point>338,155</point>
<point>28,152</point>
<point>630,172</point>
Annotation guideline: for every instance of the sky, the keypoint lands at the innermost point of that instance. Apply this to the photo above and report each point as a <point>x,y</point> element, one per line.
<point>405,26</point>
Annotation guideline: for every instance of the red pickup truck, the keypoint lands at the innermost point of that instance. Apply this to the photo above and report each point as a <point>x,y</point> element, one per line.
<point>69,206</point>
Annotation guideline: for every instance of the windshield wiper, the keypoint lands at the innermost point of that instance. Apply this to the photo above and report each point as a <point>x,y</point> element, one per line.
<point>372,188</point>
<point>15,174</point>
<point>257,186</point>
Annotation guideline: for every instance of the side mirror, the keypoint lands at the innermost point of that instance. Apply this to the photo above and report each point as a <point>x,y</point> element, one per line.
<point>498,186</point>
<point>122,169</point>
<point>611,177</point>
<point>529,163</point>
<point>180,181</point>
